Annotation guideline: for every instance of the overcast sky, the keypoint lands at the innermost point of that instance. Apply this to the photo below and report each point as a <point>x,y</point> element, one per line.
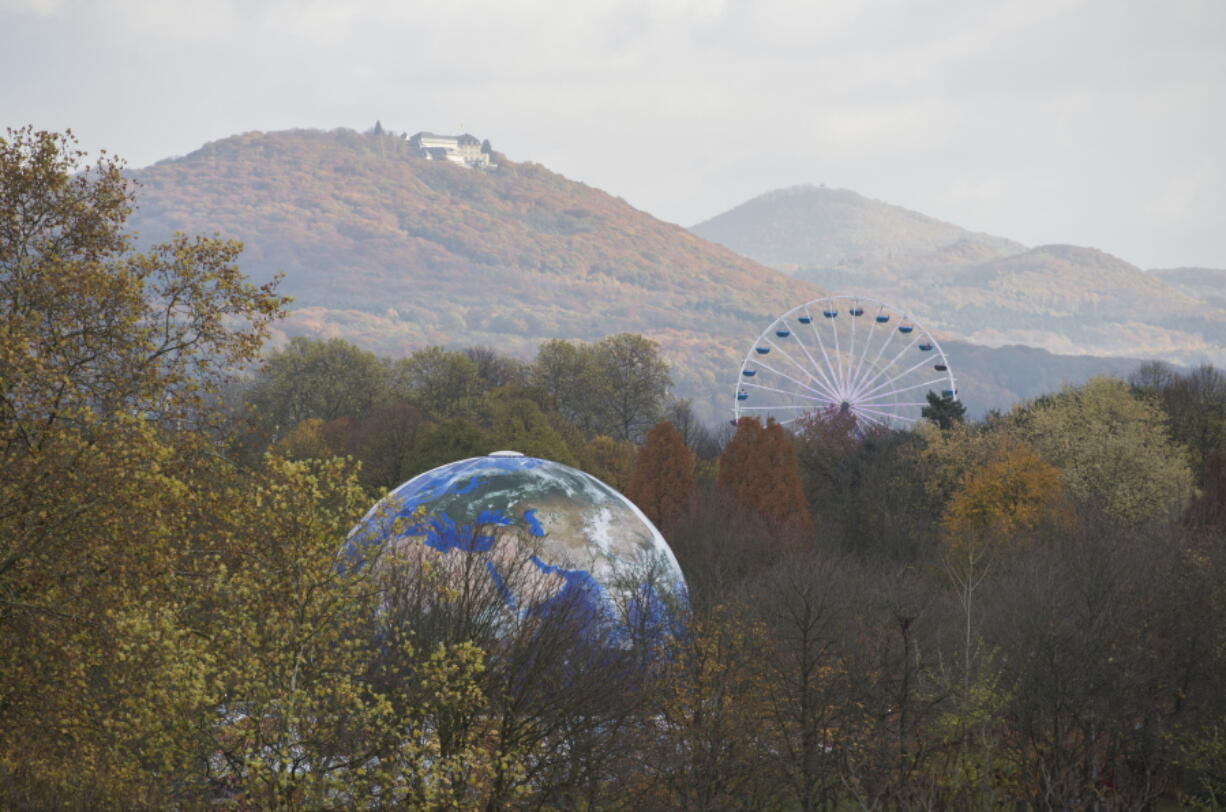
<point>1095,122</point>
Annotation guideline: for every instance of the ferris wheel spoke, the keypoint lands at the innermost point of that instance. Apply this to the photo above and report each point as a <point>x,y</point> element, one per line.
<point>868,342</point>
<point>903,389</point>
<point>856,413</point>
<point>889,403</point>
<point>822,346</point>
<point>820,370</point>
<point>838,356</point>
<point>802,385</point>
<point>821,397</point>
<point>890,415</point>
<point>859,391</point>
<point>784,391</point>
<point>851,345</point>
<point>861,377</point>
<point>883,384</point>
<point>797,364</point>
<point>769,408</point>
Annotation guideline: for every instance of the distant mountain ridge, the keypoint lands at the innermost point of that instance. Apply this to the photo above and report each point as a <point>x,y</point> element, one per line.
<point>394,252</point>
<point>984,289</point>
<point>1205,284</point>
<point>815,227</point>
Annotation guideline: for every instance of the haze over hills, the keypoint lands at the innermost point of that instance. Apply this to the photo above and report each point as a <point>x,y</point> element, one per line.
<point>1206,284</point>
<point>395,252</point>
<point>984,289</point>
<point>805,227</point>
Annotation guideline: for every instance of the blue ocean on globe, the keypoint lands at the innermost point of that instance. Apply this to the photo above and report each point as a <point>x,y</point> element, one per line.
<point>584,545</point>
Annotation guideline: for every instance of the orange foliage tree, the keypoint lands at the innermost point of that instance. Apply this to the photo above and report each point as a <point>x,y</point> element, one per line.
<point>760,477</point>
<point>662,484</point>
<point>1008,494</point>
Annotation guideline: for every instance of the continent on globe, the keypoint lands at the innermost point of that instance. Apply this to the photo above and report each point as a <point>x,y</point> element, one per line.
<point>549,536</point>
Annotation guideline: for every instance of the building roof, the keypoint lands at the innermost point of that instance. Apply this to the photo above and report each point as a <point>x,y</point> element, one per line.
<point>464,138</point>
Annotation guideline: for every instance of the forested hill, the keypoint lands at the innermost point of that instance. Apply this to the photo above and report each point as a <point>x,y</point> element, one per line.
<point>816,227</point>
<point>988,290</point>
<point>395,252</point>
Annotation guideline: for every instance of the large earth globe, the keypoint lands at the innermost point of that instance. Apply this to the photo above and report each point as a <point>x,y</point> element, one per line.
<point>550,536</point>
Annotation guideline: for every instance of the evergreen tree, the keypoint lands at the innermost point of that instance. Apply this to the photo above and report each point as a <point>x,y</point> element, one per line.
<point>662,484</point>
<point>943,410</point>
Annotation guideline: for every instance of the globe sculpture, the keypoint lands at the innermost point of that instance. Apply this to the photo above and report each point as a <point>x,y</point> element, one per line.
<point>583,545</point>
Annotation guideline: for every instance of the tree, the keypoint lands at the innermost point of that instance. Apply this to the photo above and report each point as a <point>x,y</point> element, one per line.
<point>569,376</point>
<point>449,441</point>
<point>517,424</point>
<point>636,380</point>
<point>760,478</point>
<point>943,410</point>
<point>1009,493</point>
<point>316,378</point>
<point>386,443</point>
<point>703,734</point>
<point>443,383</point>
<point>699,439</point>
<point>610,461</point>
<point>1195,406</point>
<point>496,371</point>
<point>662,484</point>
<point>808,701</point>
<point>109,364</point>
<point>1208,508</point>
<point>1112,450</point>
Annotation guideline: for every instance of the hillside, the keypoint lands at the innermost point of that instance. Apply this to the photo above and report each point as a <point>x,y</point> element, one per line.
<point>1063,298</point>
<point>395,252</point>
<point>811,227</point>
<point>1205,284</point>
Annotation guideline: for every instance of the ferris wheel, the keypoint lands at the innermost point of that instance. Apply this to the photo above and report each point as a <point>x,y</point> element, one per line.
<point>843,354</point>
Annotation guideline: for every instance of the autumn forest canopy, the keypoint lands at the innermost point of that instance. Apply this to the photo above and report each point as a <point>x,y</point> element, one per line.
<point>1024,611</point>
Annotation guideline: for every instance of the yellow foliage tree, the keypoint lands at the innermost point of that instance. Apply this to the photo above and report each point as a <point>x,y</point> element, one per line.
<point>1010,492</point>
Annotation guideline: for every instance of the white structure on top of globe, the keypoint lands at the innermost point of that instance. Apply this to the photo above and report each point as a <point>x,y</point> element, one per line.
<point>578,541</point>
<point>463,149</point>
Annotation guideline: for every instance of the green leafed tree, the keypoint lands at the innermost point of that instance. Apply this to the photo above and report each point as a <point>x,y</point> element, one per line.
<point>943,410</point>
<point>1112,450</point>
<point>441,382</point>
<point>636,380</point>
<point>568,375</point>
<point>316,378</point>
<point>109,360</point>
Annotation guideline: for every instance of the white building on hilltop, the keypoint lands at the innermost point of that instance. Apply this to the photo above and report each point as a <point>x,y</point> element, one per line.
<point>464,149</point>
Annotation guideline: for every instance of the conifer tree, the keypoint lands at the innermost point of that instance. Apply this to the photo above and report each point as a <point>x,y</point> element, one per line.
<point>786,497</point>
<point>662,484</point>
<point>760,477</point>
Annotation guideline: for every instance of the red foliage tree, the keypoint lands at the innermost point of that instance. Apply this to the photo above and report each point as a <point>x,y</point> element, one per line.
<point>759,478</point>
<point>662,484</point>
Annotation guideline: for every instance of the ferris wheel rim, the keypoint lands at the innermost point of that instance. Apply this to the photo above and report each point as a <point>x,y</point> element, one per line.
<point>844,383</point>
